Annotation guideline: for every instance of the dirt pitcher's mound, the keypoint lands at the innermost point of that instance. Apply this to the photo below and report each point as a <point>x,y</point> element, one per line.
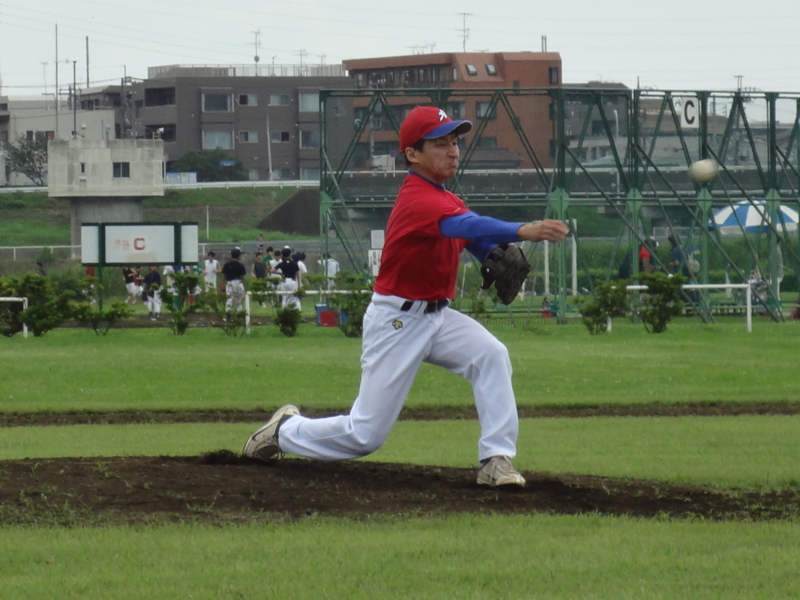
<point>221,487</point>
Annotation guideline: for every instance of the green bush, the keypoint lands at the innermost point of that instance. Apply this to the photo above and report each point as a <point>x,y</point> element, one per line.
<point>353,303</point>
<point>178,303</point>
<point>46,308</point>
<point>288,320</point>
<point>662,300</point>
<point>610,300</point>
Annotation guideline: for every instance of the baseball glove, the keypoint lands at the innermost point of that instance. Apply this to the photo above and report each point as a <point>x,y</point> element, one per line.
<point>506,267</point>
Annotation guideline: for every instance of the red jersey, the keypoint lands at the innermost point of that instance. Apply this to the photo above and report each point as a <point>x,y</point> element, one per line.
<point>418,262</point>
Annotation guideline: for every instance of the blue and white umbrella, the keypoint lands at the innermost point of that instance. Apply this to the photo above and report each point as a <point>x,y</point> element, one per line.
<point>754,220</point>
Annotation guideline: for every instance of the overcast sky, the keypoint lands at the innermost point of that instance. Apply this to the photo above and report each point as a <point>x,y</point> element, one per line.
<point>678,44</point>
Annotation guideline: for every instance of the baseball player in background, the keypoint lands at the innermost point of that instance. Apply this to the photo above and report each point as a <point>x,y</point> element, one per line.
<point>409,322</point>
<point>234,272</point>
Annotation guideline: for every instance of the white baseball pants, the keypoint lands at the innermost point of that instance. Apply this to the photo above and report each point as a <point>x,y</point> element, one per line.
<point>234,290</point>
<point>289,285</point>
<point>154,302</point>
<point>395,343</point>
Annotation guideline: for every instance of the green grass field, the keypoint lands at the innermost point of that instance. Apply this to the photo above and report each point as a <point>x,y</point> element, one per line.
<point>538,557</point>
<point>553,365</point>
<point>535,556</point>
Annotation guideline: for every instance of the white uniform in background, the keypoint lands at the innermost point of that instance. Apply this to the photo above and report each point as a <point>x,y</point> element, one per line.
<point>210,267</point>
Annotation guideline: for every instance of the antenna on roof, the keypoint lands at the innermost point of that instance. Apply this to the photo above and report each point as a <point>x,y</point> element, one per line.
<point>464,30</point>
<point>256,45</point>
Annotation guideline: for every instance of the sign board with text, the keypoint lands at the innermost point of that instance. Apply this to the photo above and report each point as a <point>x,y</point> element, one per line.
<point>119,244</point>
<point>688,109</point>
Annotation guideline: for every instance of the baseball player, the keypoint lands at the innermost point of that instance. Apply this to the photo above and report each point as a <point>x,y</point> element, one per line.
<point>409,322</point>
<point>234,271</point>
<point>210,270</point>
<point>290,271</point>
<point>129,274</point>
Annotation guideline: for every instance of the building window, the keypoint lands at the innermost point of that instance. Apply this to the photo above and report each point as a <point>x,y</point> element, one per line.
<point>248,100</point>
<point>39,136</point>
<point>553,75</point>
<point>277,137</point>
<point>491,70</point>
<point>309,174</point>
<point>159,96</point>
<point>217,139</point>
<point>282,173</point>
<point>455,110</point>
<point>216,103</point>
<point>309,102</point>
<point>472,69</point>
<point>248,137</point>
<point>279,99</point>
<point>487,142</point>
<point>83,168</point>
<point>122,170</point>
<point>482,110</point>
<point>309,138</point>
<point>252,174</point>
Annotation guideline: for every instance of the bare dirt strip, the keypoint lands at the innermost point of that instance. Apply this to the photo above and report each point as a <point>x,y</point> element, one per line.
<point>653,409</point>
<point>222,487</point>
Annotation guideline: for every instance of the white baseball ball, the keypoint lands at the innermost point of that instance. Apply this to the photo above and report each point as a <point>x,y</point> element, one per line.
<point>703,171</point>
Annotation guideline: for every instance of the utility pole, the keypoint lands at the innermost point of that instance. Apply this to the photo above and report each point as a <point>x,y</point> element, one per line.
<point>87,61</point>
<point>56,94</point>
<point>74,99</point>
<point>256,45</point>
<point>464,30</point>
<point>44,73</point>
<point>301,54</point>
<point>269,146</point>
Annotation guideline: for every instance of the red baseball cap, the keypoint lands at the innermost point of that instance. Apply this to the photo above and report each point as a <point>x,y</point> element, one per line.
<point>428,123</point>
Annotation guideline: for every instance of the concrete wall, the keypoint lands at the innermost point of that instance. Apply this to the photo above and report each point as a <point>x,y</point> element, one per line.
<point>102,210</point>
<point>85,168</point>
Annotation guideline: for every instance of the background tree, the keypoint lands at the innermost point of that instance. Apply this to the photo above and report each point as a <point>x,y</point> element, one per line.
<point>208,164</point>
<point>29,157</point>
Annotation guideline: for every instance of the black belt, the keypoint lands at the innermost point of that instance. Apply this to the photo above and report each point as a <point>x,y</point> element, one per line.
<point>430,307</point>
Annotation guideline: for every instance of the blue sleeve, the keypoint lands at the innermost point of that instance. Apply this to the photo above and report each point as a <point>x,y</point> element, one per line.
<point>473,227</point>
<point>480,249</point>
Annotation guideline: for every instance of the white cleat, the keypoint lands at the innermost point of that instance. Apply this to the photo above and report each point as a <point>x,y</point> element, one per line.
<point>263,444</point>
<point>498,471</point>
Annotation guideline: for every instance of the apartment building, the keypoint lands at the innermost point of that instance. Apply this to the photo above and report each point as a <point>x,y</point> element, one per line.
<point>466,75</point>
<point>39,117</point>
<point>267,117</point>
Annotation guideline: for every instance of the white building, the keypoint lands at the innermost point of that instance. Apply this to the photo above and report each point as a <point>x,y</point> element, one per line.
<point>38,116</point>
<point>105,181</point>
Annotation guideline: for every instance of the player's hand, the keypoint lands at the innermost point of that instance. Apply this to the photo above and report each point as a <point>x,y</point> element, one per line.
<point>549,229</point>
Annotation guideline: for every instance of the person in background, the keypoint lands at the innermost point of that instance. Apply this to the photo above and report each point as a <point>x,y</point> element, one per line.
<point>210,269</point>
<point>152,287</point>
<point>275,258</point>
<point>40,269</point>
<point>330,267</point>
<point>299,258</point>
<point>129,275</point>
<point>234,272</point>
<point>291,275</point>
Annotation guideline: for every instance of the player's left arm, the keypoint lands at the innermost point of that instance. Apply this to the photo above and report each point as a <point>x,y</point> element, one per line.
<point>485,233</point>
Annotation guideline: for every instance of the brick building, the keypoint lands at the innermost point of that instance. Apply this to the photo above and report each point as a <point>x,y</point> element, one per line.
<point>466,75</point>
